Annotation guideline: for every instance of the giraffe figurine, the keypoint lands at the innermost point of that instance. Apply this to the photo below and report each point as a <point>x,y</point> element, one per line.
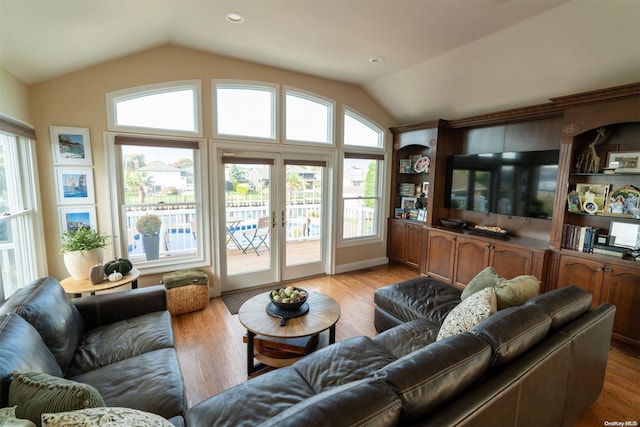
<point>589,161</point>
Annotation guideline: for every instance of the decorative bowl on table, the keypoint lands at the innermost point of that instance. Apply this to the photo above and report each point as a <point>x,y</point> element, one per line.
<point>288,298</point>
<point>452,222</point>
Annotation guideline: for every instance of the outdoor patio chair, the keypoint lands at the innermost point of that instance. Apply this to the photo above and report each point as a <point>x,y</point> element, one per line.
<point>258,237</point>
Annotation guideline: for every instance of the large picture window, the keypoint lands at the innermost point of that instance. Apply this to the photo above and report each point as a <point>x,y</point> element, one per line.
<point>21,259</point>
<point>308,118</point>
<point>244,110</point>
<point>159,199</point>
<point>362,179</point>
<point>168,108</point>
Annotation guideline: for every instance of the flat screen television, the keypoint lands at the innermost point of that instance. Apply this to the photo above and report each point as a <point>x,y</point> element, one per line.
<point>509,183</point>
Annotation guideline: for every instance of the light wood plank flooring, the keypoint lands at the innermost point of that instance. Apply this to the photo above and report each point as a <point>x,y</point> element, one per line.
<point>212,354</point>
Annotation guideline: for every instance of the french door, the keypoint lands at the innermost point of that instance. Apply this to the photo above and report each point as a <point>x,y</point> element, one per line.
<point>273,214</point>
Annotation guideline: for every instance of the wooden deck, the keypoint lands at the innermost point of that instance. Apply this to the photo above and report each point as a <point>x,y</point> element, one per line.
<point>297,252</point>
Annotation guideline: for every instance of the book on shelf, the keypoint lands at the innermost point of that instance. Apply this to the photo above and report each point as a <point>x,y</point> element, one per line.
<point>616,251</point>
<point>578,238</point>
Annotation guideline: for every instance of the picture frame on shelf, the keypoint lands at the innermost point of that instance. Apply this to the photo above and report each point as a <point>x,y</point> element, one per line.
<point>398,213</point>
<point>74,186</point>
<point>405,166</point>
<point>422,215</point>
<point>408,203</point>
<point>624,161</point>
<point>75,217</point>
<point>573,201</point>
<point>624,201</point>
<point>71,146</point>
<point>425,189</point>
<point>593,194</point>
<point>624,234</point>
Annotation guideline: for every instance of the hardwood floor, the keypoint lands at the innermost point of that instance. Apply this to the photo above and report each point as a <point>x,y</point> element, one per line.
<point>212,354</point>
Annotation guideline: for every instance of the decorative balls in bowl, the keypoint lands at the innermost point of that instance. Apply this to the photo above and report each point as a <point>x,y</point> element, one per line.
<point>288,298</point>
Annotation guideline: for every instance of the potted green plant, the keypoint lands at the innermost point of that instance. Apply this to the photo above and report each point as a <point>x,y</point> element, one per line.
<point>149,226</point>
<point>82,248</point>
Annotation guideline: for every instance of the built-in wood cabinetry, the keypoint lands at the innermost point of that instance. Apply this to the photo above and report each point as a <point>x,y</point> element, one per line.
<point>406,242</point>
<point>441,255</point>
<point>534,246</point>
<point>456,257</point>
<point>615,114</point>
<point>609,281</point>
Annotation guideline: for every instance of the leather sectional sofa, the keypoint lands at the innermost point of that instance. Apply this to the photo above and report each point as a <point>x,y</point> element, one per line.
<point>541,363</point>
<point>120,343</point>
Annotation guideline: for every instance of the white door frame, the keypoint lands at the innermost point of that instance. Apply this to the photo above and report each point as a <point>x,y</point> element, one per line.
<point>269,151</point>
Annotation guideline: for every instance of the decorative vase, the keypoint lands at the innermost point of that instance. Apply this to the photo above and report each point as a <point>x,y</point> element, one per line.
<point>78,263</point>
<point>151,245</point>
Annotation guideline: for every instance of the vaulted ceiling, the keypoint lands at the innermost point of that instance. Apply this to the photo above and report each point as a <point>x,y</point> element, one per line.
<point>442,58</point>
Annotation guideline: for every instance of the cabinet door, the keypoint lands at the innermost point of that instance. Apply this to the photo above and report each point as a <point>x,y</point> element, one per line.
<point>440,255</point>
<point>413,245</point>
<point>397,231</point>
<point>582,273</point>
<point>622,289</point>
<point>472,255</point>
<point>509,261</point>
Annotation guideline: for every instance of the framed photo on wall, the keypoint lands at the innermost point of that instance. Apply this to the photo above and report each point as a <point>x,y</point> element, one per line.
<point>75,217</point>
<point>71,146</point>
<point>74,186</point>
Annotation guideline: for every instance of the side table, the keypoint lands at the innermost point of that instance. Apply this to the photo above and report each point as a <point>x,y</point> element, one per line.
<point>78,287</point>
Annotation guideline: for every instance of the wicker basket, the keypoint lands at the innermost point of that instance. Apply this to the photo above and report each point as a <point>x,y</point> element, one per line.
<point>187,291</point>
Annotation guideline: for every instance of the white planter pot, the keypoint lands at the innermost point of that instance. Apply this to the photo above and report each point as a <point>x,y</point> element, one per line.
<point>79,263</point>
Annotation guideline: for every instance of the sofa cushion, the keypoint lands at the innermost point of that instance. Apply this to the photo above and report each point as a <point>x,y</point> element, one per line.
<point>252,402</point>
<point>364,402</point>
<point>485,279</point>
<point>36,393</point>
<point>516,291</point>
<point>408,337</point>
<point>513,331</point>
<point>8,418</point>
<point>122,340</point>
<point>419,298</point>
<point>112,417</point>
<point>563,304</point>
<point>156,372</point>
<point>427,378</point>
<point>343,362</point>
<point>22,349</point>
<point>44,304</point>
<point>469,313</point>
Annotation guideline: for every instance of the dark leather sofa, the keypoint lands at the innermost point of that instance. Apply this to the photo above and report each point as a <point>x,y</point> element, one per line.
<point>120,343</point>
<point>538,364</point>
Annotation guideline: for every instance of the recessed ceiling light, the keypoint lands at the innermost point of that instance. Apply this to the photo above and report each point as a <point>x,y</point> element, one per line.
<point>376,59</point>
<point>234,17</point>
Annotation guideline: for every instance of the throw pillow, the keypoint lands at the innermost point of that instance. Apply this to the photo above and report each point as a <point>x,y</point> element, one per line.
<point>470,312</point>
<point>111,416</point>
<point>486,278</point>
<point>8,418</point>
<point>36,393</point>
<point>516,291</point>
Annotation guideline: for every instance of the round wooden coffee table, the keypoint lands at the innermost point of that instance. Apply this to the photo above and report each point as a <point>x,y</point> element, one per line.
<point>323,314</point>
